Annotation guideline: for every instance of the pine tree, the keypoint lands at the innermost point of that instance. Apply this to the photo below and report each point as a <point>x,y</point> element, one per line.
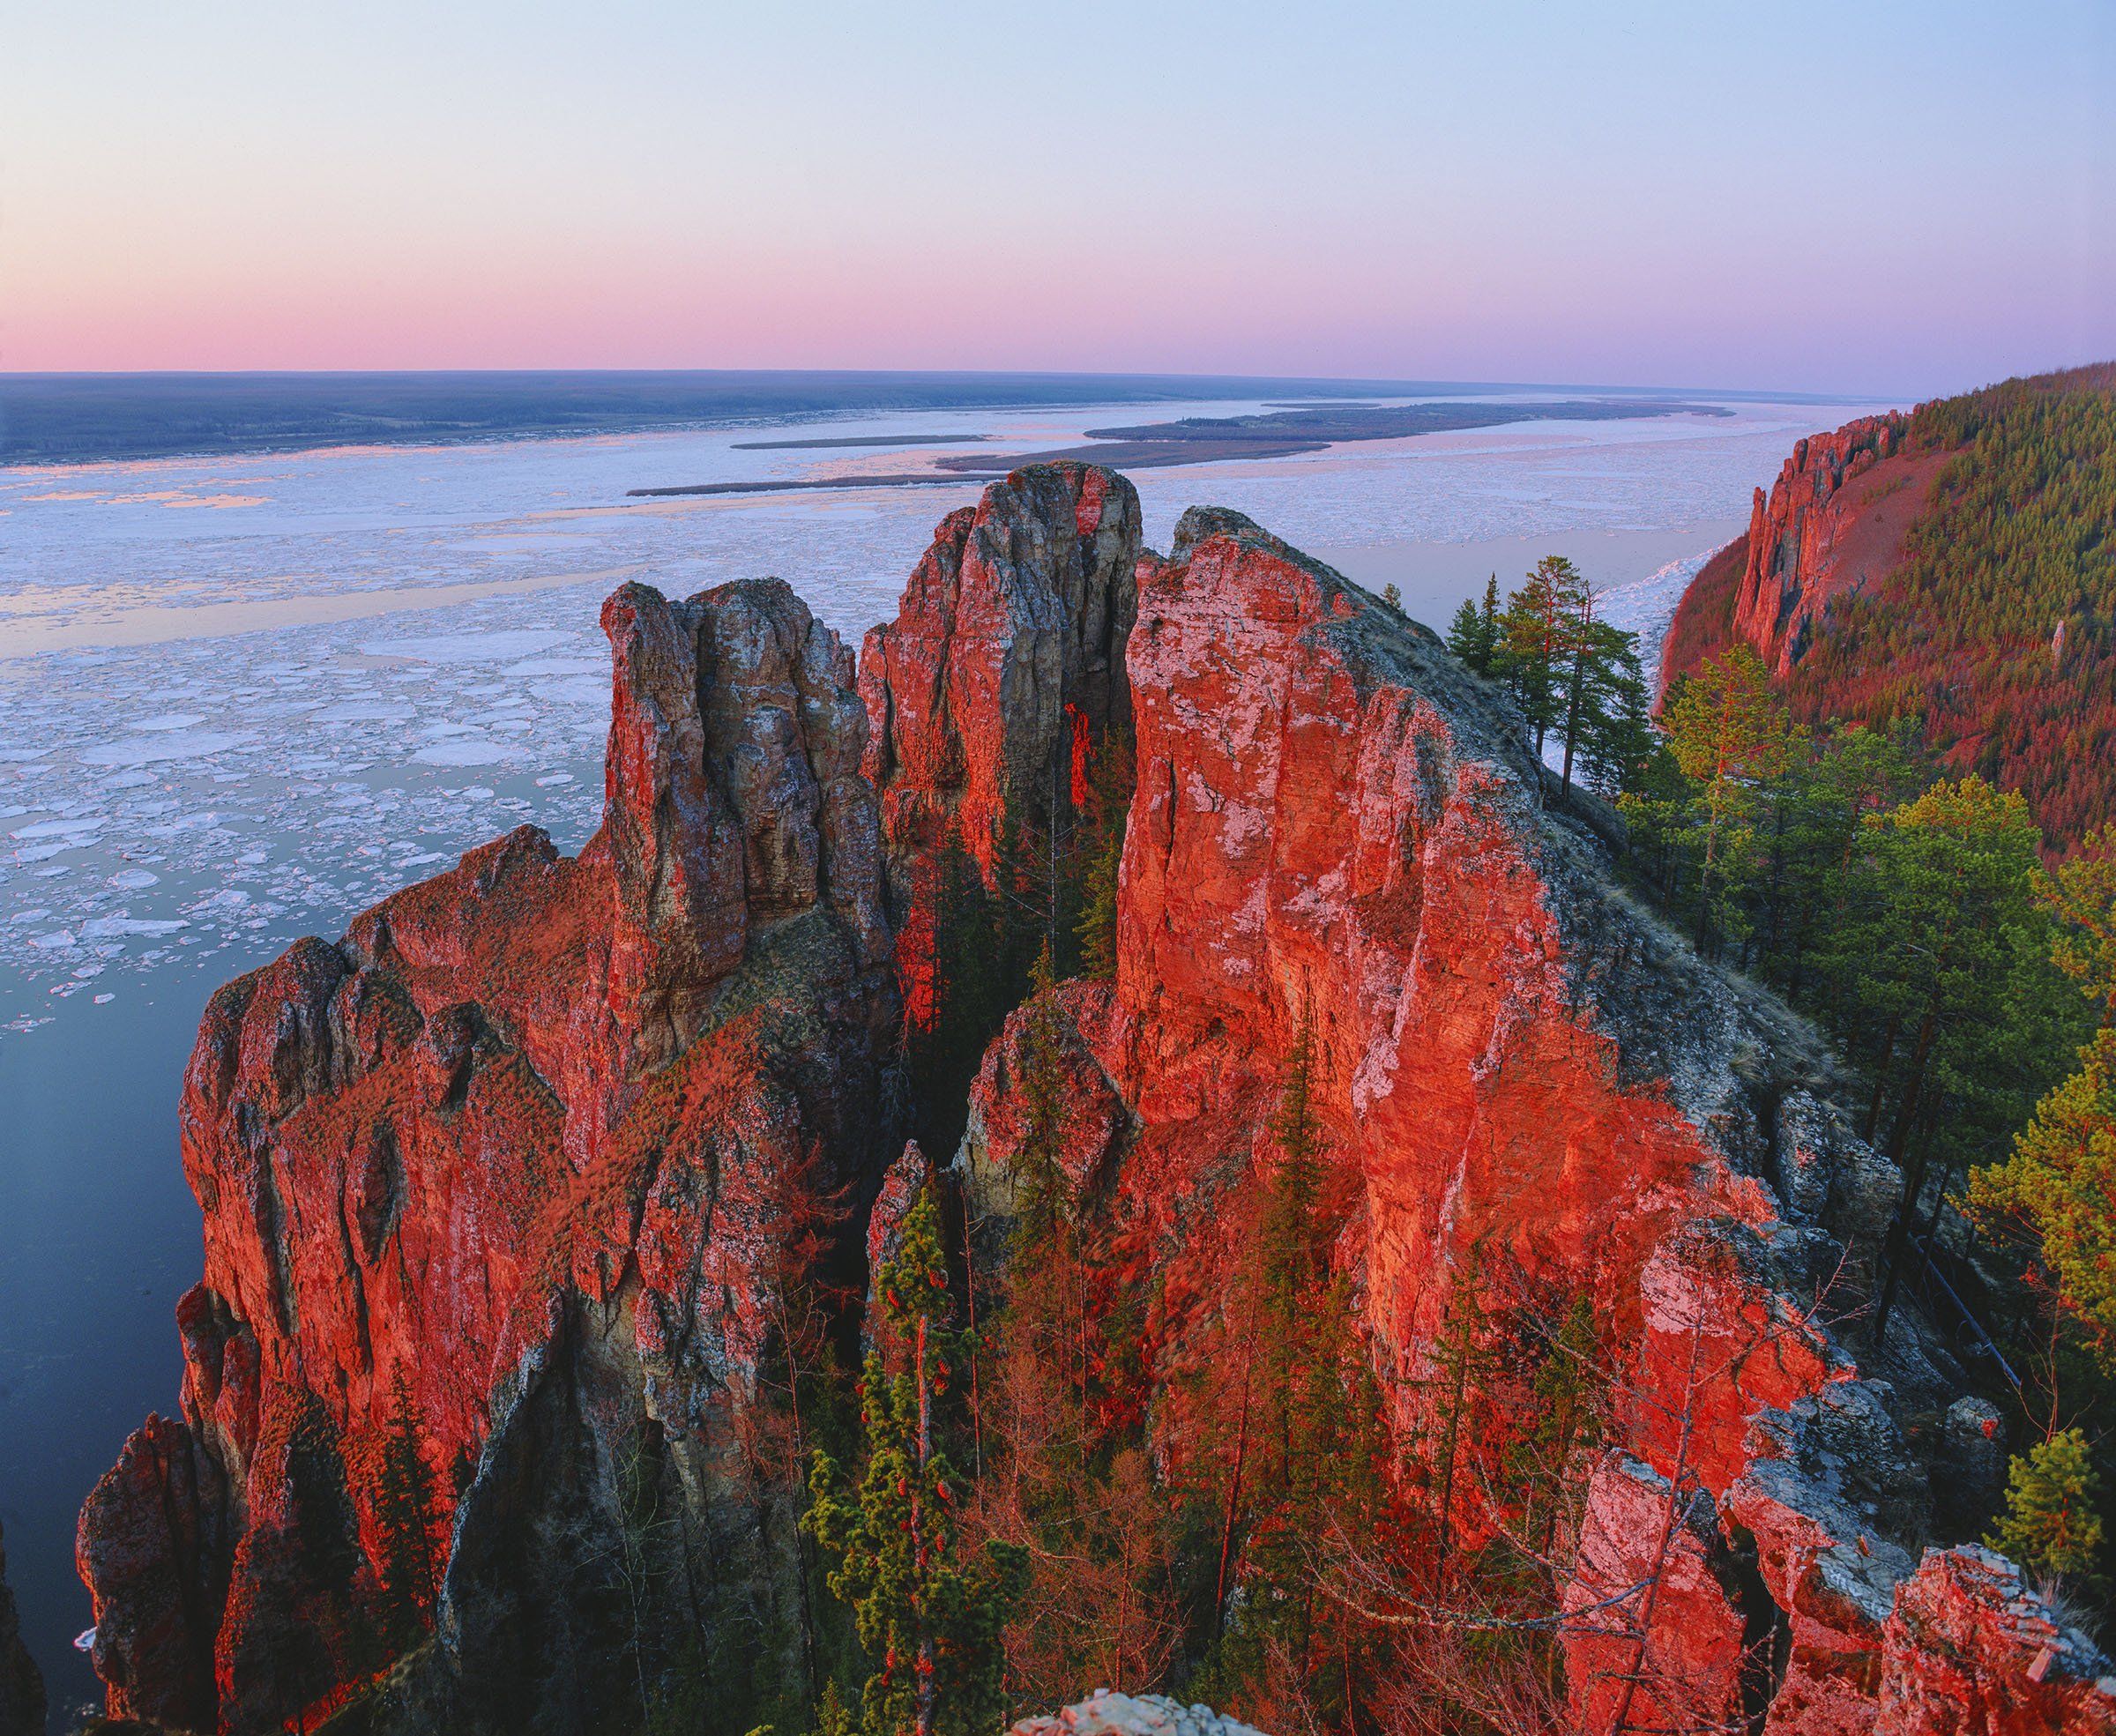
<point>406,1505</point>
<point>1581,658</point>
<point>1728,733</point>
<point>1562,1403</point>
<point>1473,634</point>
<point>1939,965</point>
<point>2050,1525</point>
<point>1311,1456</point>
<point>1536,637</point>
<point>1291,1252</point>
<point>1464,639</point>
<point>2060,1183</point>
<point>1614,730</point>
<point>1042,1193</point>
<point>1097,925</point>
<point>2084,899</point>
<point>1457,1356</point>
<point>929,1611</point>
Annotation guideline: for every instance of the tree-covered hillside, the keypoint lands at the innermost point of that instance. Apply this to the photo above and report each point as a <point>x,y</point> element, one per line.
<point>1996,633</point>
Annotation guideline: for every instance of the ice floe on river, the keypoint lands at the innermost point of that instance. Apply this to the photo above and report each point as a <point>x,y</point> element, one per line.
<point>225,728</point>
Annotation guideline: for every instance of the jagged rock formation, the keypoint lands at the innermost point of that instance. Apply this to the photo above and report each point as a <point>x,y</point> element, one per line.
<point>1008,648</point>
<point>1948,568</point>
<point>1334,822</point>
<point>526,1136</point>
<point>1820,531</point>
<point>521,1140</point>
<point>1108,1714</point>
<point>1832,524</point>
<point>21,1683</point>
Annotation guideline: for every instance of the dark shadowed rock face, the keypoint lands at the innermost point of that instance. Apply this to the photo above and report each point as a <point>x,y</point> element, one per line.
<point>522,1140</point>
<point>21,1684</point>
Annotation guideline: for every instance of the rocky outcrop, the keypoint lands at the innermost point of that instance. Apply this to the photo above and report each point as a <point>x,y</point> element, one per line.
<point>1967,1649</point>
<point>1826,528</point>
<point>1108,1714</point>
<point>522,1147</point>
<point>1832,525</point>
<point>520,1163</point>
<point>1335,824</point>
<point>1009,646</point>
<point>21,1683</point>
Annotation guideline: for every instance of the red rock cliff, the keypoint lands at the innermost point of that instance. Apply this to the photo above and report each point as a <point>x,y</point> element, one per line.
<point>528,1133</point>
<point>1013,626</point>
<point>521,1140</point>
<point>1832,524</point>
<point>1333,819</point>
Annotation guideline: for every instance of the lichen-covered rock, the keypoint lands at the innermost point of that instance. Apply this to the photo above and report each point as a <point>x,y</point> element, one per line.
<point>526,1141</point>
<point>1967,1649</point>
<point>1108,1714</point>
<point>1097,1122</point>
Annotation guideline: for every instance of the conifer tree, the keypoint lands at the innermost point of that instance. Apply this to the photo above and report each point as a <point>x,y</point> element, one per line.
<point>1939,965</point>
<point>1562,1403</point>
<point>406,1505</point>
<point>1537,635</point>
<point>1041,1201</point>
<point>1097,925</point>
<point>1456,1356</point>
<point>929,1611</point>
<point>2050,1525</point>
<point>1490,634</point>
<point>1729,731</point>
<point>2060,1183</point>
<point>1613,731</point>
<point>1310,1455</point>
<point>1474,634</point>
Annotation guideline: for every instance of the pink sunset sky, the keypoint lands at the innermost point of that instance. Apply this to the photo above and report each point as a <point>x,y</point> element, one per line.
<point>1888,197</point>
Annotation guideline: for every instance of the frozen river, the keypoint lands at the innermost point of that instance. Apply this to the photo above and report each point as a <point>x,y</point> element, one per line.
<point>242,698</point>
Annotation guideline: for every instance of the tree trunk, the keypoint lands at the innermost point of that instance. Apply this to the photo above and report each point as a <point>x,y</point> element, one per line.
<point>1572,714</point>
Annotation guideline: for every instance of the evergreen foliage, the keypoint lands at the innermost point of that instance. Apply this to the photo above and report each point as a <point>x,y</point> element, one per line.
<point>1730,737</point>
<point>2050,1525</point>
<point>407,1505</point>
<point>1569,673</point>
<point>1996,631</point>
<point>1536,637</point>
<point>929,1610</point>
<point>1473,635</point>
<point>2059,1186</point>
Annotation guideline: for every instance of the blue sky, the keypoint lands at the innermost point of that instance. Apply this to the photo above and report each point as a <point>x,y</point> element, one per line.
<point>1890,198</point>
